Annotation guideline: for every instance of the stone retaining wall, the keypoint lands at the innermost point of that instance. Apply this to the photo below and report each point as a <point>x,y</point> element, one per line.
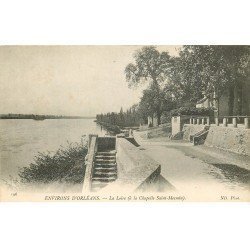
<point>136,170</point>
<point>177,123</point>
<point>89,160</point>
<point>231,139</point>
<point>106,143</point>
<point>163,130</point>
<point>191,129</point>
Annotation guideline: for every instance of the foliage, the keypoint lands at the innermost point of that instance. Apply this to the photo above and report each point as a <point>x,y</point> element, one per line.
<point>192,111</point>
<point>149,104</point>
<point>200,71</point>
<point>132,117</point>
<point>166,117</point>
<point>207,70</point>
<point>152,102</point>
<point>61,166</point>
<point>150,67</point>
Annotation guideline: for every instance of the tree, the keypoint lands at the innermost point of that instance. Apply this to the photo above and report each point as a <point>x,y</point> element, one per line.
<point>150,67</point>
<point>151,103</point>
<point>208,70</point>
<point>147,103</point>
<point>236,64</point>
<point>121,117</point>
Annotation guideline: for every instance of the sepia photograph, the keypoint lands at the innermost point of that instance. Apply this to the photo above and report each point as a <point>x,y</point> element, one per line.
<point>125,123</point>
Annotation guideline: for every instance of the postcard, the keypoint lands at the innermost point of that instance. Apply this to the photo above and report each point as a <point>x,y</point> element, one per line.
<point>125,123</point>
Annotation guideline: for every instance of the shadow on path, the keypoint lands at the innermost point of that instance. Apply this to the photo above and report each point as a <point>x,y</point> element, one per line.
<point>234,173</point>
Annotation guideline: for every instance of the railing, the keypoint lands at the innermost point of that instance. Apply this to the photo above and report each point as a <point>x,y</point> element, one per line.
<point>203,120</point>
<point>235,120</point>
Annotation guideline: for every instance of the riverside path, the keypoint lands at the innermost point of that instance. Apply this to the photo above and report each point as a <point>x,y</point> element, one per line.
<point>200,172</point>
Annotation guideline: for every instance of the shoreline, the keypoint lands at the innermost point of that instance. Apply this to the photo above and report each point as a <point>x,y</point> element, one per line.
<point>115,128</point>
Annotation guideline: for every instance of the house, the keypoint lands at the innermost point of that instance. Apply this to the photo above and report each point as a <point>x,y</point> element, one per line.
<point>234,101</point>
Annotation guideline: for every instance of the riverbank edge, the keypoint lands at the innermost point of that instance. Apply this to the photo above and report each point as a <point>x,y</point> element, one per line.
<point>115,128</point>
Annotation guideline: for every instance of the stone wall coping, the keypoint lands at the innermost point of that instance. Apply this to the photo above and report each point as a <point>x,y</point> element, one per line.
<point>89,160</point>
<point>192,116</point>
<point>135,169</point>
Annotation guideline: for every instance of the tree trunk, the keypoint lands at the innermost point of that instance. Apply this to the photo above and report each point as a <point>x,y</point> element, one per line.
<point>240,99</point>
<point>158,118</point>
<point>231,101</point>
<point>236,102</point>
<point>217,107</point>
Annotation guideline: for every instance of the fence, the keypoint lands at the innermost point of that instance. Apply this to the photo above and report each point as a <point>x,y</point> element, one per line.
<point>225,121</point>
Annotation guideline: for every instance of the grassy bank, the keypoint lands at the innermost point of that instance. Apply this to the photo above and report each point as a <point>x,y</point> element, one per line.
<point>66,165</point>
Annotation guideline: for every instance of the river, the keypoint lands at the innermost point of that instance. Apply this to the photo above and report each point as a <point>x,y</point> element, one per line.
<point>22,139</point>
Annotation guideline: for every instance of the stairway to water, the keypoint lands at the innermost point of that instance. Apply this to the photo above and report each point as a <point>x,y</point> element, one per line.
<point>104,170</point>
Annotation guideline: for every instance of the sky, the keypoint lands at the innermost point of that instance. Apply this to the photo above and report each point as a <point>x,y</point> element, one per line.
<point>67,80</point>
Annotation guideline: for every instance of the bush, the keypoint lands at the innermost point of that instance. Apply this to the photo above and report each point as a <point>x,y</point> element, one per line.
<point>61,166</point>
<point>192,111</point>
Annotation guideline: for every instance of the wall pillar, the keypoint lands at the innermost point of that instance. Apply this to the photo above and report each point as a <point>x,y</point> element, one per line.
<point>235,122</point>
<point>203,121</point>
<point>176,124</point>
<point>225,122</point>
<point>208,121</point>
<point>198,121</point>
<point>246,122</point>
<point>216,119</point>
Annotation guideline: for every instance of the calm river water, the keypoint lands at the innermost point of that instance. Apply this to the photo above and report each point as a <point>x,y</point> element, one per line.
<point>21,140</point>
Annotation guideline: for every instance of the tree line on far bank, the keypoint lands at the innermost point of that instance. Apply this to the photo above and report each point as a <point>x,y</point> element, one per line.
<point>180,81</point>
<point>34,116</point>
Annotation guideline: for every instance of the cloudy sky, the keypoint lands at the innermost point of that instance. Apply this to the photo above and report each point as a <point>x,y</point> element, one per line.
<point>66,80</point>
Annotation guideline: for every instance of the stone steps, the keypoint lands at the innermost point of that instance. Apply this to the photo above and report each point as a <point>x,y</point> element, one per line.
<point>106,165</point>
<point>108,153</point>
<point>105,161</point>
<point>106,168</point>
<point>108,157</point>
<point>104,171</point>
<point>104,179</point>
